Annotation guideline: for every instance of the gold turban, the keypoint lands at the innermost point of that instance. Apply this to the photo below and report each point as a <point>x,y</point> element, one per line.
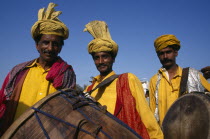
<point>48,23</point>
<point>102,38</point>
<point>166,40</point>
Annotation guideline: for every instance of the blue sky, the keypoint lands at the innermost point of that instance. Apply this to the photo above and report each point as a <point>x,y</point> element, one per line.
<point>133,24</point>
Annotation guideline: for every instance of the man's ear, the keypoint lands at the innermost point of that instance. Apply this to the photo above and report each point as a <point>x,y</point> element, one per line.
<point>60,49</point>
<point>176,53</point>
<point>113,60</point>
<point>37,47</point>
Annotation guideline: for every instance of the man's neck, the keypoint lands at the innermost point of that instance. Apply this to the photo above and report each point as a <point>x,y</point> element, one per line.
<point>103,75</point>
<point>172,71</point>
<point>45,65</point>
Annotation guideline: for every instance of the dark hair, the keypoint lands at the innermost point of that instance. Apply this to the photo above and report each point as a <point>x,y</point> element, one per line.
<point>174,47</point>
<point>112,55</point>
<point>38,38</point>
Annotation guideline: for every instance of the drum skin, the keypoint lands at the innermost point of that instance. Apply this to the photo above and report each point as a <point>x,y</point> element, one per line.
<point>188,117</point>
<point>76,118</point>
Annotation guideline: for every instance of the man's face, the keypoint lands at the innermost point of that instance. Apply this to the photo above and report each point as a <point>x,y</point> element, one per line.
<point>49,47</point>
<point>167,57</point>
<point>103,62</point>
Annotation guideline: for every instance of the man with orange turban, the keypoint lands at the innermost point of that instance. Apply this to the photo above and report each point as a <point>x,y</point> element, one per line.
<point>165,85</point>
<point>31,81</point>
<point>124,94</point>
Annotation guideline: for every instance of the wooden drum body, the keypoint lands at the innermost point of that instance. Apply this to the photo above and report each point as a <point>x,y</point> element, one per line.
<point>66,114</point>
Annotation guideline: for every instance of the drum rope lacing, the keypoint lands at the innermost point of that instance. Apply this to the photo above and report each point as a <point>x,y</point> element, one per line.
<point>78,109</point>
<point>40,123</point>
<point>67,123</point>
<point>53,117</point>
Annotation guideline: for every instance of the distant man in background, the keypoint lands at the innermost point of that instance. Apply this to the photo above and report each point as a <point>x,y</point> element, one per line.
<point>124,96</point>
<point>206,73</point>
<point>31,81</point>
<point>165,85</point>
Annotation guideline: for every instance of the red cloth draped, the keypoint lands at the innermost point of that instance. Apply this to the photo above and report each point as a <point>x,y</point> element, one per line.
<point>125,109</point>
<point>57,72</point>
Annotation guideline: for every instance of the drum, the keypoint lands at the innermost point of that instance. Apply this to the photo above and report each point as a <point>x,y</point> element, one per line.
<point>67,114</point>
<point>188,117</point>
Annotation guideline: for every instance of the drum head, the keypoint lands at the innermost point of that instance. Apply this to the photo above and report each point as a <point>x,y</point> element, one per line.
<point>188,118</point>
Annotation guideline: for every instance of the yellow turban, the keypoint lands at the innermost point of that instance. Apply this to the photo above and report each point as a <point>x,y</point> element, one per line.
<point>48,23</point>
<point>102,39</point>
<point>166,40</point>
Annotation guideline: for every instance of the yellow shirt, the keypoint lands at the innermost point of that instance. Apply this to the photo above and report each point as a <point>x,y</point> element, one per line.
<point>35,87</point>
<point>168,91</point>
<point>107,96</point>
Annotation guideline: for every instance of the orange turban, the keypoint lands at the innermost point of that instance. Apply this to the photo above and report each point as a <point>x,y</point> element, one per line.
<point>166,40</point>
<point>48,23</point>
<point>102,38</point>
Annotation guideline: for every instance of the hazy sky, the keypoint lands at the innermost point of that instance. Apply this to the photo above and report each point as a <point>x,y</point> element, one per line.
<point>133,24</point>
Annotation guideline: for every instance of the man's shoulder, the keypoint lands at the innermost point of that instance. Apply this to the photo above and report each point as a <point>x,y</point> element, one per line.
<point>192,70</point>
<point>129,76</point>
<point>22,65</point>
<point>154,76</point>
<point>194,73</point>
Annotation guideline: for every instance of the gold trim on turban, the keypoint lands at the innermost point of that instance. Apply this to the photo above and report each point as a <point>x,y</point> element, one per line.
<point>166,40</point>
<point>102,39</point>
<point>48,23</point>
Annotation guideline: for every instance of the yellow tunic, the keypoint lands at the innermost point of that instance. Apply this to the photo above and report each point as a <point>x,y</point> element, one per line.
<point>168,91</point>
<point>35,87</point>
<point>107,96</point>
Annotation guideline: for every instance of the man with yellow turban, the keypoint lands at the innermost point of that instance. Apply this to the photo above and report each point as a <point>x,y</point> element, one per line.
<point>31,81</point>
<point>123,95</point>
<point>165,86</point>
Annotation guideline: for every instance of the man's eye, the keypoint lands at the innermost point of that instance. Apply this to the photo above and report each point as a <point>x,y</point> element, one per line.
<point>105,56</point>
<point>55,44</point>
<point>161,53</point>
<point>44,42</point>
<point>95,58</point>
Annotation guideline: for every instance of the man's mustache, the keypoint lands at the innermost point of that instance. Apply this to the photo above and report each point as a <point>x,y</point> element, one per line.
<point>48,52</point>
<point>101,65</point>
<point>166,60</point>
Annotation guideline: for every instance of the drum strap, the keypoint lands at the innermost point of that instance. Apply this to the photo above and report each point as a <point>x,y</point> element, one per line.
<point>184,79</point>
<point>103,83</point>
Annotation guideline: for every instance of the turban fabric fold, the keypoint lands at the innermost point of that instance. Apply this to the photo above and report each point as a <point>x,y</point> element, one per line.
<point>166,40</point>
<point>102,39</point>
<point>48,23</point>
